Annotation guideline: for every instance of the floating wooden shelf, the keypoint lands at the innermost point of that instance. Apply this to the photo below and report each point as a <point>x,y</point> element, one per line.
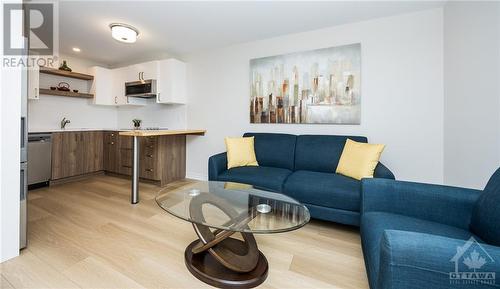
<point>65,93</point>
<point>76,75</point>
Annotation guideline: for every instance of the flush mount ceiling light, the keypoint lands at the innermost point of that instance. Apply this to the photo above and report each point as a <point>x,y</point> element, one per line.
<point>76,49</point>
<point>123,32</point>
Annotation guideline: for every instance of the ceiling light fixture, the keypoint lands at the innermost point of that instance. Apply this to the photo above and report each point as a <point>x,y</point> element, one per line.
<point>124,32</point>
<point>76,49</point>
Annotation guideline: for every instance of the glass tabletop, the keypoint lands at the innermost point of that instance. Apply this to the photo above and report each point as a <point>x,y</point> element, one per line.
<point>234,207</point>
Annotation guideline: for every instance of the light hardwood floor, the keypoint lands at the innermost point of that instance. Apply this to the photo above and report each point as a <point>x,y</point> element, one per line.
<point>86,234</point>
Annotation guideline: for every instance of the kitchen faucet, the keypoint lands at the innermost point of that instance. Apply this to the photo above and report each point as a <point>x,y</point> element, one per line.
<point>64,122</point>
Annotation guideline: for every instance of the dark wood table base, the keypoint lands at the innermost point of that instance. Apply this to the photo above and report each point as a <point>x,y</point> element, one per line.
<point>218,259</point>
<point>208,269</point>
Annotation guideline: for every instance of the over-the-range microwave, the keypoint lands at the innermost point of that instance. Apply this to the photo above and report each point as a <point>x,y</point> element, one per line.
<point>141,88</point>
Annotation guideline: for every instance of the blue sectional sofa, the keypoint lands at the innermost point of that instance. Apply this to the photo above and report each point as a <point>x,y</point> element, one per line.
<point>302,167</point>
<point>419,235</point>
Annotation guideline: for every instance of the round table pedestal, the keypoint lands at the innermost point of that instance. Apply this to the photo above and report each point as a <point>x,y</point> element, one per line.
<point>208,269</point>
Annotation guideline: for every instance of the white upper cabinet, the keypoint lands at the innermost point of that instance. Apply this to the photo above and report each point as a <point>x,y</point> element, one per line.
<point>145,70</point>
<point>108,86</point>
<point>118,85</point>
<point>171,81</point>
<point>102,86</point>
<point>34,83</point>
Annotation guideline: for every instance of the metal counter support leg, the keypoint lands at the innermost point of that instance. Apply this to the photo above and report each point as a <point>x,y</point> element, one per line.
<point>135,172</point>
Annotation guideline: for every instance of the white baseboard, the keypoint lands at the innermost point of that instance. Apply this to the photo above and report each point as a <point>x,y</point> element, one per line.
<point>196,176</point>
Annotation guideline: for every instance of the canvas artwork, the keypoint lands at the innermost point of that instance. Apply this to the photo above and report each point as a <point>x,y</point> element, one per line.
<point>317,86</point>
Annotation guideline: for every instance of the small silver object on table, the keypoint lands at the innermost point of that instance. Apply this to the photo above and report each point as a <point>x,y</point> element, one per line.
<point>263,208</point>
<point>194,192</point>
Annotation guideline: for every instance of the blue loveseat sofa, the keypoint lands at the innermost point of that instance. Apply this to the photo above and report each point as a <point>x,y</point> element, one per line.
<point>419,235</point>
<point>302,167</point>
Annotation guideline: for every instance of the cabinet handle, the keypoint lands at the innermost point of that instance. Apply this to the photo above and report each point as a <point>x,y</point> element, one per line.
<point>36,93</point>
<point>149,170</point>
<point>111,143</point>
<point>116,99</point>
<point>150,147</point>
<point>149,156</point>
<point>112,134</point>
<point>159,97</point>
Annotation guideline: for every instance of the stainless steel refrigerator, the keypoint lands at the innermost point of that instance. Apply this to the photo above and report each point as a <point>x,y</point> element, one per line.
<point>24,158</point>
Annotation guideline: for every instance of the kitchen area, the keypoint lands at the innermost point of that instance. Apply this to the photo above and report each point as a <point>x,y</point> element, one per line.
<point>127,122</point>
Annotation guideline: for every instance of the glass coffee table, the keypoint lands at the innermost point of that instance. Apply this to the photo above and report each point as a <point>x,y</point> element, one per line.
<point>225,216</point>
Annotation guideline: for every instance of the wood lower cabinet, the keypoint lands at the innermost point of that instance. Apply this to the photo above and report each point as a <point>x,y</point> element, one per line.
<point>172,158</point>
<point>66,155</point>
<point>92,151</point>
<point>125,155</point>
<point>162,158</point>
<point>76,153</point>
<point>148,159</point>
<point>111,152</point>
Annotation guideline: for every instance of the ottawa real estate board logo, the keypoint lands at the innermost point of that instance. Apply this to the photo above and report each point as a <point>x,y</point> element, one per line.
<point>28,27</point>
<point>471,260</point>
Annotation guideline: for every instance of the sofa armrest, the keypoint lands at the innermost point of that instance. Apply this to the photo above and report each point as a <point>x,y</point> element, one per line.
<point>382,171</point>
<point>410,260</point>
<point>443,204</point>
<point>216,165</point>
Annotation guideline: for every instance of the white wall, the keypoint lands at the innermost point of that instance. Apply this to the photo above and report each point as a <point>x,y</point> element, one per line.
<point>154,115</point>
<point>472,92</point>
<point>402,91</point>
<point>10,115</point>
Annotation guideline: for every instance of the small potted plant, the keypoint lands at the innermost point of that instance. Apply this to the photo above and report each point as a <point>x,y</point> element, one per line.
<point>137,123</point>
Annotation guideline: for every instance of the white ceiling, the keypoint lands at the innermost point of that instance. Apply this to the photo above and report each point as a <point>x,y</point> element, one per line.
<point>177,28</point>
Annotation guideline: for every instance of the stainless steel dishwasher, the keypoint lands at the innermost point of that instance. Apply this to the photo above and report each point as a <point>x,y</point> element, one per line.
<point>39,159</point>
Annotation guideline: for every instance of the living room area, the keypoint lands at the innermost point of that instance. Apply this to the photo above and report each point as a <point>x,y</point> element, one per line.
<point>270,144</point>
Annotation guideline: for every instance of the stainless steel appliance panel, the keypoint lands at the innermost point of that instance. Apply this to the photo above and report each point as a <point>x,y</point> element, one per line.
<point>143,88</point>
<point>23,209</point>
<point>24,114</point>
<point>40,152</point>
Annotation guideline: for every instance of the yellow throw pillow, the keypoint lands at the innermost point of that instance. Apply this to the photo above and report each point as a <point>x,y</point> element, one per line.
<point>358,160</point>
<point>240,152</point>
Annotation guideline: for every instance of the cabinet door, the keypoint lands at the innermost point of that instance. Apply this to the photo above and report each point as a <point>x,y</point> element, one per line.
<point>149,155</point>
<point>148,70</point>
<point>171,81</point>
<point>66,155</point>
<point>92,151</point>
<point>131,73</point>
<point>125,155</point>
<point>119,79</point>
<point>111,152</point>
<point>34,83</point>
<point>102,86</point>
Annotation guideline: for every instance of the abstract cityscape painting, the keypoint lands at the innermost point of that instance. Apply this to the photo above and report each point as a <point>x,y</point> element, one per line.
<point>317,86</point>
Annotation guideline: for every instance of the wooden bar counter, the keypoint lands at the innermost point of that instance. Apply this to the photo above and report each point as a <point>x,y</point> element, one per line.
<point>164,152</point>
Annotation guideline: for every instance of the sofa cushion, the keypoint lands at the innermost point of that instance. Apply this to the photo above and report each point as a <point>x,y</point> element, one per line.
<point>320,153</point>
<point>373,225</point>
<point>486,215</point>
<point>274,149</point>
<point>240,152</point>
<point>267,178</point>
<point>324,189</point>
